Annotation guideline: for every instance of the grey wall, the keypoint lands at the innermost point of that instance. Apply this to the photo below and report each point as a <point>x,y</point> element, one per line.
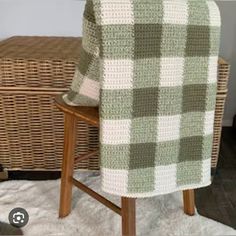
<point>40,17</point>
<point>63,17</point>
<point>228,51</point>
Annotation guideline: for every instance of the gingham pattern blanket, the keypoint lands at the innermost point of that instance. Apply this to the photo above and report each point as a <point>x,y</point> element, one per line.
<point>151,66</point>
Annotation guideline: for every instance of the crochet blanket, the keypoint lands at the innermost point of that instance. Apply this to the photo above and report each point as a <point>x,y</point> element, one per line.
<point>151,66</point>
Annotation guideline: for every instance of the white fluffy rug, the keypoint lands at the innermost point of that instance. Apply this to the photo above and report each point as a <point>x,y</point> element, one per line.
<point>162,215</point>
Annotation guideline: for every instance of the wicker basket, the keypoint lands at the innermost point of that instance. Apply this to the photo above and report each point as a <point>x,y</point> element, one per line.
<point>32,71</point>
<point>223,77</point>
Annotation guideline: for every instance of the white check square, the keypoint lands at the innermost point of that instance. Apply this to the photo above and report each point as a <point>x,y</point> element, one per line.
<point>206,170</point>
<point>209,122</point>
<point>168,128</point>
<point>115,132</point>
<point>212,70</point>
<point>122,15</point>
<point>215,19</point>
<point>90,88</point>
<point>175,12</point>
<point>111,176</point>
<point>118,74</point>
<point>172,70</point>
<point>165,178</point>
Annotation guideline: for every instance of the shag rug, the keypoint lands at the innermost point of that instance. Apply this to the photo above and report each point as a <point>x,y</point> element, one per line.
<point>161,215</point>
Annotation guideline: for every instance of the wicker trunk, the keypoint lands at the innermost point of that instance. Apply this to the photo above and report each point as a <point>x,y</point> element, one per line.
<point>222,84</point>
<point>32,71</point>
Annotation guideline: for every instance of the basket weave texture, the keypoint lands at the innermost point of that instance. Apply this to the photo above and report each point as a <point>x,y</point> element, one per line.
<point>222,84</point>
<point>32,71</point>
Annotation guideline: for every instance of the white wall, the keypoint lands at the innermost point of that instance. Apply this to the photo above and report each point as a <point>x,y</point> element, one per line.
<point>40,17</point>
<point>63,17</point>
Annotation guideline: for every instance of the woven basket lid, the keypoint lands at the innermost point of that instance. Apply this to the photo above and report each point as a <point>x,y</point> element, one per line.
<point>41,48</point>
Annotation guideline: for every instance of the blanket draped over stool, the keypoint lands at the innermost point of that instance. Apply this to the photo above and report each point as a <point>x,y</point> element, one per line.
<point>151,66</point>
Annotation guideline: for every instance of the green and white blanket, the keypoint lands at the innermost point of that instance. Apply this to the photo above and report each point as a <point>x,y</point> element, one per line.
<point>151,66</point>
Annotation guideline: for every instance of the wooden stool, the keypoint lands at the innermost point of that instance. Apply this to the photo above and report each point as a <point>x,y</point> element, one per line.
<point>90,115</point>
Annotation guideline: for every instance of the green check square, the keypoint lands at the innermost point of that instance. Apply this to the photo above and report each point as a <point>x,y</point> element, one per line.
<point>71,95</point>
<point>198,41</point>
<point>144,69</point>
<point>142,155</point>
<point>167,152</point>
<point>147,40</point>
<point>173,40</point>
<point>88,11</point>
<point>145,102</point>
<point>193,64</point>
<point>93,72</point>
<point>214,41</point>
<point>191,149</point>
<point>207,146</point>
<point>120,107</point>
<point>192,123</point>
<point>170,101</point>
<point>119,42</point>
<point>148,12</point>
<point>194,97</point>
<point>211,91</point>
<point>83,65</point>
<point>142,130</point>
<point>83,99</point>
<point>115,156</point>
<point>141,180</point>
<point>198,10</point>
<point>189,173</point>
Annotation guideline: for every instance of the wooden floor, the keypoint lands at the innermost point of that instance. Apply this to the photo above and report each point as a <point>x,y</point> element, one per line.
<point>218,201</point>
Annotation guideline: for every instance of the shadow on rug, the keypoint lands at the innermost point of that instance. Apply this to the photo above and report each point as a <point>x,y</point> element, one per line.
<point>6,229</point>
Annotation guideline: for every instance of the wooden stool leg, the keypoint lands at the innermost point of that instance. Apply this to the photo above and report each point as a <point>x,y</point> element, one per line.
<point>128,216</point>
<point>189,203</point>
<point>67,165</point>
